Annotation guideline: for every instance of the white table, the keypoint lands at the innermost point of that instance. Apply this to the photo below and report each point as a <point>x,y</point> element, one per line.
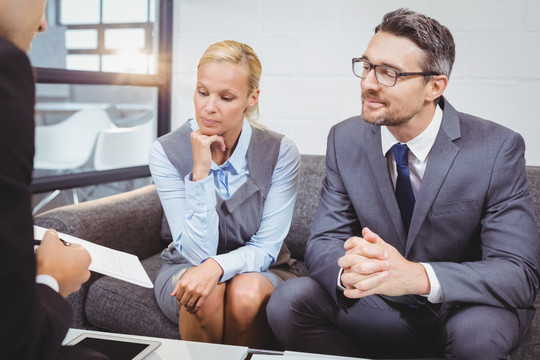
<point>190,350</point>
<point>178,349</point>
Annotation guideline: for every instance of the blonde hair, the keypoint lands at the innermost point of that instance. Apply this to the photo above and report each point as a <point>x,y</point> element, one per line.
<point>235,52</point>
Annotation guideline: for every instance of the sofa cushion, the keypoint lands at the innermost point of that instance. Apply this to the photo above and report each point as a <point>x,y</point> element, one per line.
<point>119,306</point>
<point>529,347</point>
<point>533,175</point>
<point>312,172</point>
<point>165,231</point>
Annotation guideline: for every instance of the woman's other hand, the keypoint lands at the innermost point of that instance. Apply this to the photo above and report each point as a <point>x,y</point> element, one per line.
<point>197,284</point>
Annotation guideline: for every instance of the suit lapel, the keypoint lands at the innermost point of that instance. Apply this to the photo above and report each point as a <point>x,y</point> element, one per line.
<point>441,158</point>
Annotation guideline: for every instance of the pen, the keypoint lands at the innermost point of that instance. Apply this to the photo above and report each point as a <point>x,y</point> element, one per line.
<point>66,243</point>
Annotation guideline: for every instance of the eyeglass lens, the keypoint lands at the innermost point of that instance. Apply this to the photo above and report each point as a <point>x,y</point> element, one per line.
<point>385,76</point>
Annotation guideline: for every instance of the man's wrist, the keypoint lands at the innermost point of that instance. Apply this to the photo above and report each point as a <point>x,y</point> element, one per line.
<point>422,285</point>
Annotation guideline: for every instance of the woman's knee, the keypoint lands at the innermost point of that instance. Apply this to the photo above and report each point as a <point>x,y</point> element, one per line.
<point>246,296</point>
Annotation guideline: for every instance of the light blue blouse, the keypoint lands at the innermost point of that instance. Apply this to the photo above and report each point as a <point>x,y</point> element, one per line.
<point>190,206</point>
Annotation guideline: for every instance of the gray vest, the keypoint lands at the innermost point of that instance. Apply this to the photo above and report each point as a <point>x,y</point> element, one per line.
<point>240,215</point>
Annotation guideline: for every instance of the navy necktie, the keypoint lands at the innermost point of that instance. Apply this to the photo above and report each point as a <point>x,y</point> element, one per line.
<point>404,191</point>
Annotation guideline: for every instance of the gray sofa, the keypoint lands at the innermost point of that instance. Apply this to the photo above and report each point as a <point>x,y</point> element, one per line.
<point>132,222</point>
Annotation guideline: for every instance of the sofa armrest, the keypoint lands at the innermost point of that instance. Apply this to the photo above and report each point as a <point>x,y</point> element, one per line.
<point>127,222</point>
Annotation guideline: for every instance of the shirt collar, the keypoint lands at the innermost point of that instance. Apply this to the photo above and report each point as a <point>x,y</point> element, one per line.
<point>238,157</point>
<point>421,145</point>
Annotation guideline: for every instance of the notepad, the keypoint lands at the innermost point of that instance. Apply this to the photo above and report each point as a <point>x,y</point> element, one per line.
<point>107,261</point>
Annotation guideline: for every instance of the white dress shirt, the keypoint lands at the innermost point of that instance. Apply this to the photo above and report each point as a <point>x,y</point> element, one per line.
<point>48,280</point>
<point>420,148</point>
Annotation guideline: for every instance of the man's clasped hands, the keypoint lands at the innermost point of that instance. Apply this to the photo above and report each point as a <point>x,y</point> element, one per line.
<point>372,266</point>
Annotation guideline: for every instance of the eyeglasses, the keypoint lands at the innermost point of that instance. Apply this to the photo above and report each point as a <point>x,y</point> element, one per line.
<point>385,75</point>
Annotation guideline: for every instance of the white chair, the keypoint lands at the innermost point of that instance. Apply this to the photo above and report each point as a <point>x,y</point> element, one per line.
<point>123,146</point>
<point>68,145</point>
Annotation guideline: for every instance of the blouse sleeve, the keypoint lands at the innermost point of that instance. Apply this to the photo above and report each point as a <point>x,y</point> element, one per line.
<point>190,207</point>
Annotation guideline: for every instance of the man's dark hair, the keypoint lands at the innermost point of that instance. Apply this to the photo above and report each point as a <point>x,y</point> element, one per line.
<point>427,33</point>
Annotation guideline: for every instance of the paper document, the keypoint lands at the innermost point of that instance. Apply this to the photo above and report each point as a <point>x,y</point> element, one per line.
<point>118,264</point>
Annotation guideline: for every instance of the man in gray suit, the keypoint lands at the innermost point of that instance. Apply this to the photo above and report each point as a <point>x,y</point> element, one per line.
<point>424,241</point>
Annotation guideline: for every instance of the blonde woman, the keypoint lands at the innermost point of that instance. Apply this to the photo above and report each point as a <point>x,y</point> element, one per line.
<point>228,188</point>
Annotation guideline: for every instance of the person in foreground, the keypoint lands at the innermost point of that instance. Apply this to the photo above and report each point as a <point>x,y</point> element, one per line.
<point>34,315</point>
<point>424,241</point>
<point>228,189</point>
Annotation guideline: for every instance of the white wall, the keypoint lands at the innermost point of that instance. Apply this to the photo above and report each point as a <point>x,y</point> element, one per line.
<point>306,47</point>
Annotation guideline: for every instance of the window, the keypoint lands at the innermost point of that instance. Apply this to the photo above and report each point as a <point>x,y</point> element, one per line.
<point>108,35</point>
<point>103,94</point>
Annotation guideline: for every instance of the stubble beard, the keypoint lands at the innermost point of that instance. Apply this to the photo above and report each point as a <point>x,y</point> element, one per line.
<point>392,116</point>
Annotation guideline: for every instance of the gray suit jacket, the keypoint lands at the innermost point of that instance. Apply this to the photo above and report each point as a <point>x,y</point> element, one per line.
<point>473,219</point>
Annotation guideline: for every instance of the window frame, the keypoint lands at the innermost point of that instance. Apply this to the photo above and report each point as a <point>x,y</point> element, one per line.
<point>102,27</point>
<point>161,80</point>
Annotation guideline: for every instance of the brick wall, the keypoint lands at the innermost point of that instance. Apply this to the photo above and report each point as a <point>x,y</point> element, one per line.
<point>306,47</point>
